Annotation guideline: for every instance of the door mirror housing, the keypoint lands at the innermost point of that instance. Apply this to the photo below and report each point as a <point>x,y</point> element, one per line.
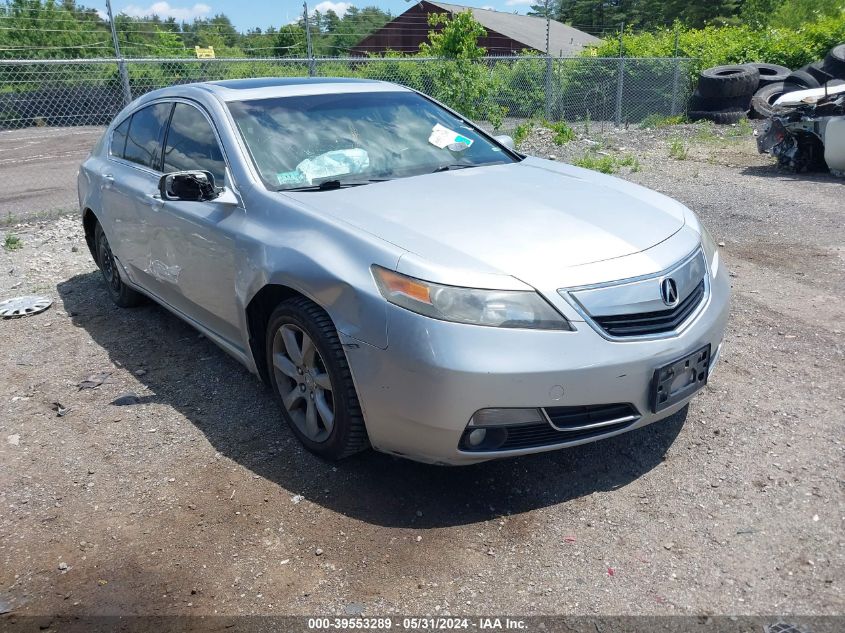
<point>195,186</point>
<point>506,140</point>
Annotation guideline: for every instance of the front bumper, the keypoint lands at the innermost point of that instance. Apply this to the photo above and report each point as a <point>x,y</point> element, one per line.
<point>419,394</point>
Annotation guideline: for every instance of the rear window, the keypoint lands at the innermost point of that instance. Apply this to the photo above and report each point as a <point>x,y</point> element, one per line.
<point>143,141</point>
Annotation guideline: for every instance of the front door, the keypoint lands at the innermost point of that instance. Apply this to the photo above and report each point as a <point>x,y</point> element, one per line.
<point>195,241</point>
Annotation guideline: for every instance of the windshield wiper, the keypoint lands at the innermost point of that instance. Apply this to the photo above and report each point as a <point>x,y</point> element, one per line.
<point>328,185</point>
<point>464,166</point>
<point>451,167</point>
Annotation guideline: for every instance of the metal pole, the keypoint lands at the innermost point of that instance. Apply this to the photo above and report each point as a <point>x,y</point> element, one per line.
<point>676,78</point>
<point>121,63</point>
<point>310,50</point>
<point>548,65</point>
<point>620,84</point>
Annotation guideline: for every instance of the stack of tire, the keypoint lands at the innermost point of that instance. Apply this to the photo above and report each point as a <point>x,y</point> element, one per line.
<point>828,72</point>
<point>725,94</point>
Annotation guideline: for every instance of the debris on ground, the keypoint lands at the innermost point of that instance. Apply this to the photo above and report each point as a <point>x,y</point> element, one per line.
<point>94,380</point>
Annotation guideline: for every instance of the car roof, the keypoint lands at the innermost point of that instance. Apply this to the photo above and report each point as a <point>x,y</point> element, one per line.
<point>268,87</point>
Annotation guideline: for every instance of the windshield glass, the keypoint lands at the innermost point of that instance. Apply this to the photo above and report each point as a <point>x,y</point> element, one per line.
<point>353,138</point>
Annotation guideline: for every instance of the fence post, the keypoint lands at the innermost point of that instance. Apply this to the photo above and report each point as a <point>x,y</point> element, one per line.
<point>676,78</point>
<point>548,78</point>
<point>620,84</point>
<point>121,63</point>
<point>309,48</point>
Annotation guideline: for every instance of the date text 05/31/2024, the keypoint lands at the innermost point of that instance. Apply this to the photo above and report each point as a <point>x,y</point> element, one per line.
<point>417,623</point>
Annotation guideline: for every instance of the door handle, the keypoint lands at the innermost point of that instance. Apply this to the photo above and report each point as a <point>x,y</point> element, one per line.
<point>108,180</point>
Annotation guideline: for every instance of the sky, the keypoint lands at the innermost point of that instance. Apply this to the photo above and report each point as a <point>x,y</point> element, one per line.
<point>247,14</point>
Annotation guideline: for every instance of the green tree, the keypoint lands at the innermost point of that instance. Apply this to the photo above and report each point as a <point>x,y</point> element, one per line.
<point>461,79</point>
<point>789,13</point>
<point>457,39</point>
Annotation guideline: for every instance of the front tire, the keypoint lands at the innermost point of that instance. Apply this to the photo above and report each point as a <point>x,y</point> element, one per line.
<point>119,292</point>
<point>311,380</point>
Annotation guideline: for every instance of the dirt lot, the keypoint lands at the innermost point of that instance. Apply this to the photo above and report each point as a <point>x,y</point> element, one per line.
<point>194,499</point>
<point>38,168</point>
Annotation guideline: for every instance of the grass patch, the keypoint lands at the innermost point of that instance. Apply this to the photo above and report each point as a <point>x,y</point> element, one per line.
<point>607,164</point>
<point>678,149</point>
<point>563,133</point>
<point>12,242</point>
<point>656,121</point>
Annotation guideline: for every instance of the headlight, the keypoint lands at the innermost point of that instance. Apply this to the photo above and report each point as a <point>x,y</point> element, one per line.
<point>711,251</point>
<point>493,308</point>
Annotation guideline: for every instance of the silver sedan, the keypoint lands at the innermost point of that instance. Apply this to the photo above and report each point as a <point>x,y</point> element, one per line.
<point>397,276</point>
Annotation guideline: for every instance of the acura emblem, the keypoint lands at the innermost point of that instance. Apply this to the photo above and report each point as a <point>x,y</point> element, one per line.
<point>669,292</point>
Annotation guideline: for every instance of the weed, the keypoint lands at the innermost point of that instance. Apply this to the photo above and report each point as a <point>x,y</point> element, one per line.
<point>12,242</point>
<point>522,131</point>
<point>706,131</point>
<point>741,129</point>
<point>677,148</point>
<point>655,121</point>
<point>630,161</point>
<point>563,133</point>
<point>604,164</point>
<point>607,164</point>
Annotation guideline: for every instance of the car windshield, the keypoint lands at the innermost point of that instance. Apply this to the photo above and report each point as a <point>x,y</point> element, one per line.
<point>355,138</point>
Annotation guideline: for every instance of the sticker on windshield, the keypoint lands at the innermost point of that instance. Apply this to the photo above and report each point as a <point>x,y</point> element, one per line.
<point>444,137</point>
<point>291,178</point>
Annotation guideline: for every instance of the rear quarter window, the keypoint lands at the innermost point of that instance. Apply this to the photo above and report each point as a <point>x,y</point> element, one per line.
<point>118,139</point>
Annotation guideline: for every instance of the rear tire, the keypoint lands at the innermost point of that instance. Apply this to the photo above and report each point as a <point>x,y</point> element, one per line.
<point>119,292</point>
<point>311,380</point>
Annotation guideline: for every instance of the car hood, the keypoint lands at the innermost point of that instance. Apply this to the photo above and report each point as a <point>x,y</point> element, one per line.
<point>524,219</point>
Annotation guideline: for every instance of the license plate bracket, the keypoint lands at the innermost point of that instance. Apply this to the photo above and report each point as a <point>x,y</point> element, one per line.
<point>679,379</point>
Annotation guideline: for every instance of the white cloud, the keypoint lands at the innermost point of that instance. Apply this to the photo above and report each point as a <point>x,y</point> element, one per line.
<point>340,8</point>
<point>164,10</point>
<point>516,3</point>
<point>102,15</point>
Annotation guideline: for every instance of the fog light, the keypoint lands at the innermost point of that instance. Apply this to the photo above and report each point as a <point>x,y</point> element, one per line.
<point>476,437</point>
<point>506,417</point>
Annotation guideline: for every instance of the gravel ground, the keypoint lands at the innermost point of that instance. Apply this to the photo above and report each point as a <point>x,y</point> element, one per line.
<point>172,487</point>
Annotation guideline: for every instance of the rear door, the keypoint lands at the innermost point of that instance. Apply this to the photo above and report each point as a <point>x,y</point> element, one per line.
<point>129,188</point>
<point>196,240</point>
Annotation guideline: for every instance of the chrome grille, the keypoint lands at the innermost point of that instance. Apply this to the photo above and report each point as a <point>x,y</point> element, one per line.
<point>658,322</point>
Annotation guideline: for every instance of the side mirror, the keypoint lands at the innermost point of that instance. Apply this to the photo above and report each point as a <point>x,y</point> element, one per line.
<point>506,140</point>
<point>196,186</point>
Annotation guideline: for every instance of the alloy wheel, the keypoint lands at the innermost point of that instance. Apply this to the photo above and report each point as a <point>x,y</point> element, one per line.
<point>303,382</point>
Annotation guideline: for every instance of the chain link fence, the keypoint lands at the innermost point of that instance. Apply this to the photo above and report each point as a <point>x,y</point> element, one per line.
<point>52,111</point>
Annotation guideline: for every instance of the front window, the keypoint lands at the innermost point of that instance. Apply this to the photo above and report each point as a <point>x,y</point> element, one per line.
<point>355,138</point>
<point>191,144</point>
